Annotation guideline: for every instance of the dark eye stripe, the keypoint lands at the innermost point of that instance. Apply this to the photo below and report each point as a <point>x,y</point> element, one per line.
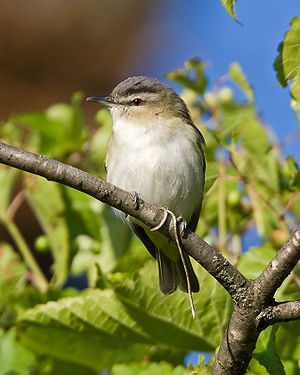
<point>140,89</point>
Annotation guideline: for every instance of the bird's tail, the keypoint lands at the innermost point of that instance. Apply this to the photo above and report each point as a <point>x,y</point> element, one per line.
<point>172,274</point>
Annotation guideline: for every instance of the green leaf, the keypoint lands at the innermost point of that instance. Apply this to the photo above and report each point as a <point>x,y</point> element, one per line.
<point>233,118</point>
<point>161,368</point>
<point>99,140</point>
<point>239,78</point>
<point>14,358</point>
<point>18,360</point>
<point>290,174</point>
<point>8,178</point>
<point>50,366</point>
<point>115,239</point>
<point>288,340</point>
<point>255,367</point>
<point>49,207</point>
<point>252,263</point>
<point>135,316</point>
<point>168,319</point>
<point>200,368</point>
<point>287,63</point>
<point>211,174</point>
<point>192,76</point>
<point>12,273</point>
<point>229,6</point>
<point>92,330</point>
<point>266,352</point>
<point>58,131</point>
<point>254,138</point>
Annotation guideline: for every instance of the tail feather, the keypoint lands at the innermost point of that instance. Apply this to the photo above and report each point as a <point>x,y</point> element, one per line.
<point>172,274</point>
<point>167,273</point>
<point>181,276</point>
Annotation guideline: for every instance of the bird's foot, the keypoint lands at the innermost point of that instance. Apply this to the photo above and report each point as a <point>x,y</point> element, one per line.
<point>182,225</point>
<point>164,219</point>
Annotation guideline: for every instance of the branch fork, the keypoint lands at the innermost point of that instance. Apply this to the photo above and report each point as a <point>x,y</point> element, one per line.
<point>254,305</point>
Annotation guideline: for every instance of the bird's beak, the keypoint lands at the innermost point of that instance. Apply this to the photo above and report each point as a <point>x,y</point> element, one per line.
<point>105,100</point>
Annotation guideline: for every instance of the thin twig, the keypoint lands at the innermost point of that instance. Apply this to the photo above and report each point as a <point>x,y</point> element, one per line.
<point>290,203</point>
<point>40,280</point>
<point>222,208</point>
<point>15,204</point>
<point>264,201</point>
<point>249,297</point>
<point>295,279</point>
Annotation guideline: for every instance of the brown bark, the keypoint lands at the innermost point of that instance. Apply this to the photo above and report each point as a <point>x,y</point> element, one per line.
<point>254,305</point>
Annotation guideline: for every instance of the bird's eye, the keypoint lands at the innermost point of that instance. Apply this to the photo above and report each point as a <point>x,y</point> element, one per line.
<point>137,101</point>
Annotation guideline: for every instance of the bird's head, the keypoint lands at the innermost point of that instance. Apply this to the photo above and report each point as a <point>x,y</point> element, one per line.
<point>141,99</point>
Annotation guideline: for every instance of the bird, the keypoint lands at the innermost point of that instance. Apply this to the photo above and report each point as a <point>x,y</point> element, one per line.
<point>156,152</point>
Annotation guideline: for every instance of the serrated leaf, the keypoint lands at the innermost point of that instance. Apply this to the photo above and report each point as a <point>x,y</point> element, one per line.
<point>168,319</point>
<point>287,63</point>
<point>266,352</point>
<point>92,330</point>
<point>239,78</point>
<point>135,316</point>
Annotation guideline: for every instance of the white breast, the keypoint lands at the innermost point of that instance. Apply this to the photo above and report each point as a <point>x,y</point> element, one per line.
<point>163,167</point>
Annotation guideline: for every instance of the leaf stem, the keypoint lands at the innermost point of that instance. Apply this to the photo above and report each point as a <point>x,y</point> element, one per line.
<point>245,180</point>
<point>222,207</point>
<point>41,281</point>
<point>290,203</point>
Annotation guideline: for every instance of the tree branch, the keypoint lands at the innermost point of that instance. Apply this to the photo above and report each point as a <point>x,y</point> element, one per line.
<point>283,312</point>
<point>251,298</point>
<point>53,170</point>
<point>278,269</point>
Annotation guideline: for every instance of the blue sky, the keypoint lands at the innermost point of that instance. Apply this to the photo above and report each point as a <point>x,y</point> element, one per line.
<point>203,28</point>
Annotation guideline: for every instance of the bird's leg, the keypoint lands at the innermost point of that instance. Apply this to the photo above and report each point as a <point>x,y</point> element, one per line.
<point>136,200</point>
<point>183,225</point>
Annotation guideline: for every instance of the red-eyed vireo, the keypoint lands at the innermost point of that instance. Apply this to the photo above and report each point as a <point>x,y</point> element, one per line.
<point>156,151</point>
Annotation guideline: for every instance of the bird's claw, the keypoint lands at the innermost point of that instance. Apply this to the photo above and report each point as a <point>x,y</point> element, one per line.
<point>166,212</point>
<point>136,200</point>
<point>180,221</point>
<point>182,225</point>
